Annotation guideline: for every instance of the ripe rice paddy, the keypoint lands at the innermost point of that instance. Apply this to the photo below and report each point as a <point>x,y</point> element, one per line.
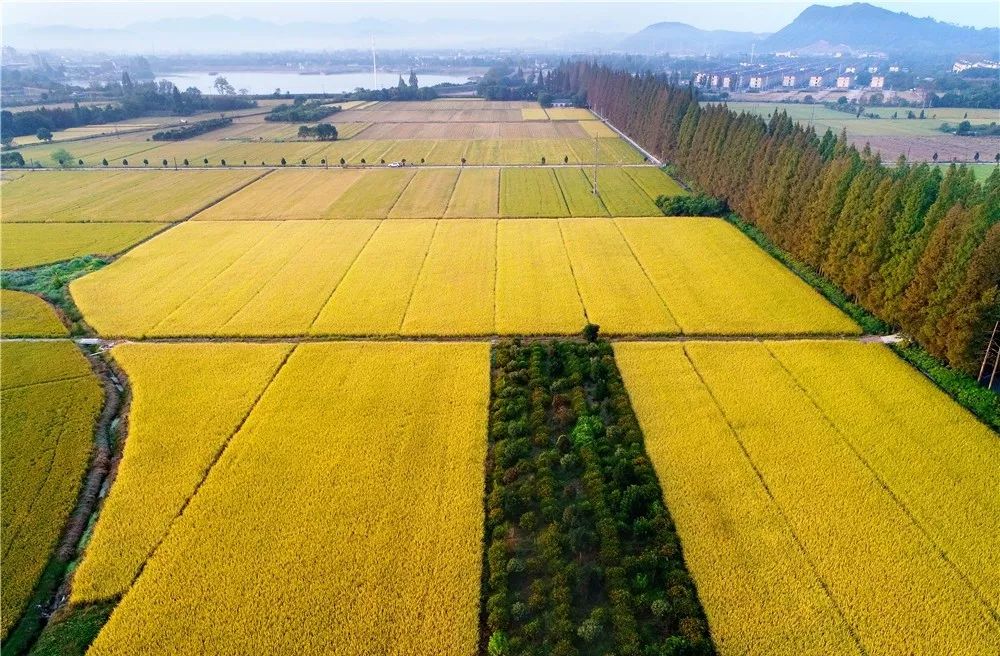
<point>49,401</point>
<point>98,196</point>
<point>33,244</point>
<point>385,451</point>
<point>27,315</point>
<point>830,499</point>
<point>427,277</point>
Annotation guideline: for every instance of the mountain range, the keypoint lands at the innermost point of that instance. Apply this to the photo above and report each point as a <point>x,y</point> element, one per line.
<point>855,28</point>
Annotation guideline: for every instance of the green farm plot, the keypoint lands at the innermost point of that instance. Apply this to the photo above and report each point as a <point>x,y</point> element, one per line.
<point>621,195</point>
<point>530,192</point>
<point>476,194</point>
<point>579,193</point>
<point>885,125</point>
<point>654,182</point>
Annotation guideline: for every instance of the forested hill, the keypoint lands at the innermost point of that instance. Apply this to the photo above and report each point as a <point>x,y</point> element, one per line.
<point>917,247</point>
<point>862,27</point>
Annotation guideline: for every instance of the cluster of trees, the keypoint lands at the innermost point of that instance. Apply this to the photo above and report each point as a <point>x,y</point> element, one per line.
<point>137,100</point>
<point>507,83</point>
<point>967,129</point>
<point>191,129</point>
<point>916,245</point>
<point>322,132</point>
<point>693,205</point>
<point>302,111</point>
<point>402,91</point>
<point>582,556</point>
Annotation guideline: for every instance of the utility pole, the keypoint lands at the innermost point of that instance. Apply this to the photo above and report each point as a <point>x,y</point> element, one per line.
<point>596,157</point>
<point>175,163</point>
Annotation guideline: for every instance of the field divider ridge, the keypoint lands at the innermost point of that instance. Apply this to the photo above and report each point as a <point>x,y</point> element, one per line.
<point>347,271</point>
<point>170,313</point>
<point>211,466</point>
<point>885,486</point>
<point>402,191</point>
<point>305,243</point>
<point>451,194</point>
<point>642,266</point>
<point>496,269</point>
<point>420,273</point>
<point>777,506</point>
<point>41,382</point>
<point>232,192</point>
<point>576,282</point>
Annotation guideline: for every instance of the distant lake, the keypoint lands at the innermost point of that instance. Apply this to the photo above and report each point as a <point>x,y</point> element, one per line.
<point>262,82</point>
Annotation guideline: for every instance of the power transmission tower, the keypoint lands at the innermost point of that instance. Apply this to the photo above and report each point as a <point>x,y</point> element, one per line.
<point>992,349</point>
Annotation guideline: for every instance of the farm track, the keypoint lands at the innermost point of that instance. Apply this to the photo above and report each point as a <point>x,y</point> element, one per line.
<point>108,342</point>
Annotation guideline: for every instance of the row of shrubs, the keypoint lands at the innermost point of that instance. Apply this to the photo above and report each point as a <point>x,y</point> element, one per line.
<point>191,129</point>
<point>302,112</point>
<point>582,556</point>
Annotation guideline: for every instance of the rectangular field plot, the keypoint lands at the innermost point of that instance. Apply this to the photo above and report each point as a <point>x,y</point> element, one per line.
<point>717,281</point>
<point>620,194</point>
<point>360,469</point>
<point>427,277</point>
<point>84,196</point>
<point>427,195</point>
<point>830,499</point>
<point>530,192</point>
<point>654,182</point>
<point>33,244</point>
<point>477,194</point>
<point>569,114</point>
<point>282,195</point>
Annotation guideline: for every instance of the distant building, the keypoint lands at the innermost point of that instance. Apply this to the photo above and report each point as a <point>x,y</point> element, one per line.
<point>878,82</point>
<point>894,69</point>
<point>562,102</point>
<point>757,81</point>
<point>816,81</point>
<point>844,82</point>
<point>716,80</point>
<point>873,69</point>
<point>727,82</point>
<point>851,69</point>
<point>788,81</point>
<point>964,65</point>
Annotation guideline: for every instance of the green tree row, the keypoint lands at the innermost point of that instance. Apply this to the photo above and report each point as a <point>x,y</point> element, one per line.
<point>916,246</point>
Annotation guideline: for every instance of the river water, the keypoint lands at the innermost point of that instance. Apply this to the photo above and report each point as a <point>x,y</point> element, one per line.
<point>262,82</point>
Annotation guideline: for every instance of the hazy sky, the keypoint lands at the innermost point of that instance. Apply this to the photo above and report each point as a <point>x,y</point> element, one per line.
<point>580,16</point>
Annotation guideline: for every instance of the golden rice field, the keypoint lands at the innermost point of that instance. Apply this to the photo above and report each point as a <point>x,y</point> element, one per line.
<point>569,114</point>
<point>133,196</point>
<point>435,193</point>
<point>187,402</point>
<point>382,445</point>
<point>830,499</point>
<point>534,114</point>
<point>49,401</point>
<point>428,277</point>
<point>33,244</point>
<point>26,315</point>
